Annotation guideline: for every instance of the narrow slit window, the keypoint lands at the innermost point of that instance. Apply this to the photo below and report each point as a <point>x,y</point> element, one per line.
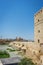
<point>38,41</point>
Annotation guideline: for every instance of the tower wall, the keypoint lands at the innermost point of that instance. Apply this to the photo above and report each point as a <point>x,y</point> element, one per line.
<point>38,27</point>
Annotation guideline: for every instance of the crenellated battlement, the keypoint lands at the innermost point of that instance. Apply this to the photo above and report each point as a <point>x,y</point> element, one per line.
<point>39,12</point>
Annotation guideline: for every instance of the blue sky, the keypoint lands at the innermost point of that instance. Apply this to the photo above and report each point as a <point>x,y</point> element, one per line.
<point>17,18</point>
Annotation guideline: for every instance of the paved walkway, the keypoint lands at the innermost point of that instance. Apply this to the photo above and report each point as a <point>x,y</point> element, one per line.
<point>12,60</point>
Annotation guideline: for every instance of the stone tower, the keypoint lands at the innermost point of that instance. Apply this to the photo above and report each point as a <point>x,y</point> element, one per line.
<point>38,27</point>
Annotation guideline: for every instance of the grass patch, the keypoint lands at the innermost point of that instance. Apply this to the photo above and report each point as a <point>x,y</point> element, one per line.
<point>12,50</point>
<point>4,54</point>
<point>9,46</point>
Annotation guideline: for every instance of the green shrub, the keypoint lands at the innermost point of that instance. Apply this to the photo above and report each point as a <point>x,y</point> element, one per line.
<point>26,61</point>
<point>4,54</point>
